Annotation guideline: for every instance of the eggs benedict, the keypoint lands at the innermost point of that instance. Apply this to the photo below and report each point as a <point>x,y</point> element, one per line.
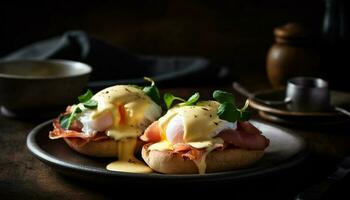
<point>109,123</point>
<point>207,136</point>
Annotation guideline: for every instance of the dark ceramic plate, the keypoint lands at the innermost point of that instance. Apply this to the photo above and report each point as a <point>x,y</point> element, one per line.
<point>286,150</point>
<point>281,114</point>
<point>316,122</point>
<point>340,99</point>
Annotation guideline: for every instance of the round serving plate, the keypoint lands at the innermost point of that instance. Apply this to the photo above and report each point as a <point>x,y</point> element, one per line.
<point>286,149</point>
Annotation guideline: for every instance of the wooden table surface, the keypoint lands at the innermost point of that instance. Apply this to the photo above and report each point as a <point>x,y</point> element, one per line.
<point>22,176</point>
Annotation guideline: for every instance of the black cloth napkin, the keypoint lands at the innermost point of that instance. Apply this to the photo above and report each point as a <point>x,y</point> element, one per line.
<point>115,65</point>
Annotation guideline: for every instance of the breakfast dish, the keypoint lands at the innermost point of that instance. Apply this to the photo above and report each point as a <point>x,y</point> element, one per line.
<point>109,123</point>
<point>286,150</point>
<point>192,137</point>
<point>197,139</point>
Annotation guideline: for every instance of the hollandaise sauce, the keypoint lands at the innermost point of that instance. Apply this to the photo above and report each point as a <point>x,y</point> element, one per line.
<point>123,112</point>
<point>197,126</point>
<point>201,161</point>
<point>126,160</point>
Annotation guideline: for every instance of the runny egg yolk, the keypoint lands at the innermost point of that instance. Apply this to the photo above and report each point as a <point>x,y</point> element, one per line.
<point>193,125</point>
<point>123,112</point>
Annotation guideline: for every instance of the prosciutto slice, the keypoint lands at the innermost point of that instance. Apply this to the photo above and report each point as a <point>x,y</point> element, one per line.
<point>246,136</point>
<point>59,132</point>
<point>152,133</point>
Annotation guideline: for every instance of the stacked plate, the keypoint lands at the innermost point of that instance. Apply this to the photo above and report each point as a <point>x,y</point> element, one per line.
<point>281,114</point>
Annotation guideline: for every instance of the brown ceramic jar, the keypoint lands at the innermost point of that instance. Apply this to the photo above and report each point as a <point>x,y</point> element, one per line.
<point>293,54</point>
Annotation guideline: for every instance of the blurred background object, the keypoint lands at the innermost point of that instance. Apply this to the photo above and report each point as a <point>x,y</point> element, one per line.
<point>294,53</point>
<point>335,43</point>
<point>233,33</point>
<point>114,65</point>
<point>35,88</point>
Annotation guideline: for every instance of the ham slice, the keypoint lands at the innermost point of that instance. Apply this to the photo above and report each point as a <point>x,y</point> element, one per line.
<point>181,147</point>
<point>193,154</point>
<point>152,133</point>
<point>246,136</point>
<point>247,127</point>
<point>187,151</point>
<point>59,132</point>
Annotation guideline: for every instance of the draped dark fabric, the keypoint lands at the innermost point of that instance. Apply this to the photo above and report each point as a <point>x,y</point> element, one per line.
<point>115,65</point>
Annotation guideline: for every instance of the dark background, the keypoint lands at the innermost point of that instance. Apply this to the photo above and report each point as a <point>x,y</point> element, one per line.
<point>237,32</point>
<point>234,32</point>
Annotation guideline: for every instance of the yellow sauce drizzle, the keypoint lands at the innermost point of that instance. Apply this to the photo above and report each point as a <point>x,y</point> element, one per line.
<point>201,162</point>
<point>126,160</point>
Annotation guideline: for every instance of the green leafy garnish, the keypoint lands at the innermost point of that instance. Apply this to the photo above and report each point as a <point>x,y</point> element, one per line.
<point>192,100</point>
<point>222,96</point>
<point>152,91</point>
<point>90,104</point>
<point>244,113</point>
<point>85,100</point>
<point>170,98</point>
<point>85,97</point>
<point>64,121</point>
<point>228,110</point>
<point>67,120</point>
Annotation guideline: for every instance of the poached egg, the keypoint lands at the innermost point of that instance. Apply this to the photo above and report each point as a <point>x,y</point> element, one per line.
<point>196,126</point>
<point>193,125</point>
<point>123,112</point>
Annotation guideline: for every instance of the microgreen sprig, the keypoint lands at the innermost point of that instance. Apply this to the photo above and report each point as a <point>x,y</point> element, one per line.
<point>67,120</point>
<point>85,99</point>
<point>152,91</point>
<point>170,98</point>
<point>228,110</point>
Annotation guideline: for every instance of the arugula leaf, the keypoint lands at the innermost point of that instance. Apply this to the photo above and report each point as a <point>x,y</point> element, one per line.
<point>222,96</point>
<point>192,100</point>
<point>152,91</point>
<point>67,120</point>
<point>227,109</point>
<point>169,99</point>
<point>85,97</point>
